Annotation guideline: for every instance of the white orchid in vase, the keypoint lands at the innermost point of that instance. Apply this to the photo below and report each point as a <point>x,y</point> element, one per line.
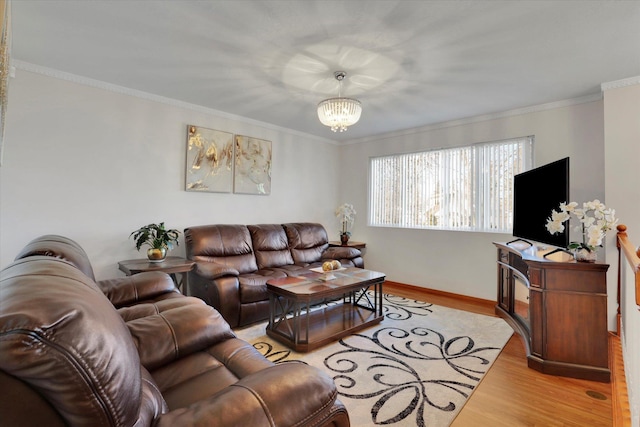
<point>346,213</point>
<point>595,220</point>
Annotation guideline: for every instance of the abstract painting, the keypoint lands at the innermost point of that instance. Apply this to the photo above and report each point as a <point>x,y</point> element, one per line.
<point>5,46</point>
<point>252,166</point>
<point>209,160</point>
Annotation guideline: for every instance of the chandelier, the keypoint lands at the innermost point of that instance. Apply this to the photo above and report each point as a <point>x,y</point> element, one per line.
<point>339,113</point>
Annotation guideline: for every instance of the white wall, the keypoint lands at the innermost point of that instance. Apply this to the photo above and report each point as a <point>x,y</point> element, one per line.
<point>622,142</point>
<point>465,262</point>
<point>94,165</point>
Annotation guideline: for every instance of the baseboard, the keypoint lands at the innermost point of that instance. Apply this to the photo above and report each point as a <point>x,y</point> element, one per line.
<point>427,291</point>
<point>619,392</point>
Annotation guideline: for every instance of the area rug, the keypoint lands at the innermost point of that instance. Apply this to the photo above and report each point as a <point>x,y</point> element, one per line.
<point>417,367</point>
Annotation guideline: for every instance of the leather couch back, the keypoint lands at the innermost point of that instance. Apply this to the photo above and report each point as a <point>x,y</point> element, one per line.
<point>61,337</point>
<point>270,245</point>
<point>307,241</point>
<point>59,247</point>
<point>248,248</point>
<point>225,244</point>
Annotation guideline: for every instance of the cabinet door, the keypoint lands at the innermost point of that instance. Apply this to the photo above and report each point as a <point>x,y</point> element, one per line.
<point>503,287</point>
<point>504,280</point>
<point>537,331</point>
<point>576,328</point>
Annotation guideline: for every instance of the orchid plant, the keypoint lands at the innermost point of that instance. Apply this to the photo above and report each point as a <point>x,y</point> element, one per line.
<point>346,213</point>
<point>595,220</point>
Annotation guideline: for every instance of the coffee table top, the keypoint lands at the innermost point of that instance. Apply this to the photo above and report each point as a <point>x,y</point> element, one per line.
<point>313,284</point>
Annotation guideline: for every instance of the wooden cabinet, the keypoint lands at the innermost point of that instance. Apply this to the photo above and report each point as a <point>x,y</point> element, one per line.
<point>558,307</point>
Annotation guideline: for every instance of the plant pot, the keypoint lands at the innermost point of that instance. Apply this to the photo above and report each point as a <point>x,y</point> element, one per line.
<point>156,255</point>
<point>583,255</point>
<point>344,239</point>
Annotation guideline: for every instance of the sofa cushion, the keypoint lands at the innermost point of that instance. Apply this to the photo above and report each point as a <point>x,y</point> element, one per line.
<point>270,245</point>
<point>287,394</point>
<point>64,338</point>
<point>253,287</point>
<point>307,241</point>
<point>185,330</point>
<point>150,308</point>
<point>228,245</point>
<point>203,374</point>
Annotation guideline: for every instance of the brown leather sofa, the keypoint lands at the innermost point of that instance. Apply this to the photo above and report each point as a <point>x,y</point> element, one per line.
<point>68,357</point>
<point>234,263</point>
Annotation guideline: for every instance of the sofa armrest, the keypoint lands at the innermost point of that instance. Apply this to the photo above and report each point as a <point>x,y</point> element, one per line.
<point>173,334</point>
<point>264,399</point>
<point>139,287</point>
<point>213,270</point>
<point>214,283</point>
<point>341,252</point>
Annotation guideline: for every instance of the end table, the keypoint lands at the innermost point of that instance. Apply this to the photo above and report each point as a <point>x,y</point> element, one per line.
<point>350,244</point>
<point>171,265</point>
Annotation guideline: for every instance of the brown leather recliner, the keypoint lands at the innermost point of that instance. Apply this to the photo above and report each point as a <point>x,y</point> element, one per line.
<point>67,358</point>
<point>145,287</point>
<point>234,263</point>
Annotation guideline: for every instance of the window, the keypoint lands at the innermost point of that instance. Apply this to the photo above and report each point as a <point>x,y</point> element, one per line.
<point>464,188</point>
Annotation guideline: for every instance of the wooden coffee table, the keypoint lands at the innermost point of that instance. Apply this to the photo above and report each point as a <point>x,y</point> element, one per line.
<point>294,321</point>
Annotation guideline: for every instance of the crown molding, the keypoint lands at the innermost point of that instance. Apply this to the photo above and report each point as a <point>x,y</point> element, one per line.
<point>74,78</point>
<point>620,83</point>
<point>482,118</point>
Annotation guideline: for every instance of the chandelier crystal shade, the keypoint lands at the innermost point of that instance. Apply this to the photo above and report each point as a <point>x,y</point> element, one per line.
<point>339,113</point>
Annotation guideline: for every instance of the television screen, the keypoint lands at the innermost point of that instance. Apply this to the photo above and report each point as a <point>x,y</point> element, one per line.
<point>536,193</point>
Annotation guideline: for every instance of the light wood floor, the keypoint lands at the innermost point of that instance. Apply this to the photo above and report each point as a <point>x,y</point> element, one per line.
<point>513,395</point>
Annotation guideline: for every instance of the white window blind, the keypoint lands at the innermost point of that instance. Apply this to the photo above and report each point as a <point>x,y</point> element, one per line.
<point>464,188</point>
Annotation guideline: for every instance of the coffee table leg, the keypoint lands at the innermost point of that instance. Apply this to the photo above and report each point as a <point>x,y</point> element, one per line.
<point>272,307</point>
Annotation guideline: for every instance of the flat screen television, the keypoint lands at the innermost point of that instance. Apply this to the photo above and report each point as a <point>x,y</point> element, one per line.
<point>536,193</point>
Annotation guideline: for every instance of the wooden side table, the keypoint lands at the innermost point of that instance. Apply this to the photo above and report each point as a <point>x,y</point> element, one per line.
<point>350,244</point>
<point>171,265</point>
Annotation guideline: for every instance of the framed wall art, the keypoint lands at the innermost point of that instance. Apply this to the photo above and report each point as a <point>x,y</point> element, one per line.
<point>252,166</point>
<point>5,54</point>
<point>209,160</point>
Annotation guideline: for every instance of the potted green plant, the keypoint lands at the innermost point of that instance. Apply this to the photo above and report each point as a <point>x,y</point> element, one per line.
<point>158,238</point>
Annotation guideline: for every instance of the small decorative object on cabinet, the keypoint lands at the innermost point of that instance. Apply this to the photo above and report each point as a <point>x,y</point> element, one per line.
<point>344,238</point>
<point>595,220</point>
<point>158,238</point>
<point>346,213</point>
<point>559,307</point>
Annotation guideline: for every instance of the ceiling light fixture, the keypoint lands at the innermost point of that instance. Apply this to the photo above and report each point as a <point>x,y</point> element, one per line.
<point>339,113</point>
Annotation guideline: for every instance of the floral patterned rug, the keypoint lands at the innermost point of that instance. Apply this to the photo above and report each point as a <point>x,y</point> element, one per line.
<point>417,367</point>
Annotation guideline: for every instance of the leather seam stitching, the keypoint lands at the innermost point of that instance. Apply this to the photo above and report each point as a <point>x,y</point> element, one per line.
<point>173,335</point>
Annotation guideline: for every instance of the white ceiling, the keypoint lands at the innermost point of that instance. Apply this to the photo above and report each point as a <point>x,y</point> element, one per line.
<point>411,63</point>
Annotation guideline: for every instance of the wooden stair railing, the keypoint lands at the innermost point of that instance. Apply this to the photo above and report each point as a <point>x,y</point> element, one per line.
<point>633,257</point>
<point>620,396</point>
